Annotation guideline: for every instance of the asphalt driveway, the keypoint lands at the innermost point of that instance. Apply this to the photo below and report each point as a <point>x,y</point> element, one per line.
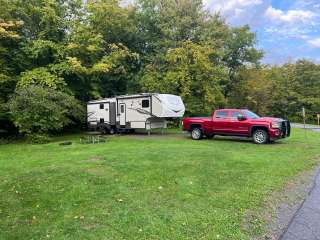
<point>305,224</point>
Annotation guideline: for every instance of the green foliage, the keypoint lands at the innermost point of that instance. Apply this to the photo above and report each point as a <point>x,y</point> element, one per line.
<point>36,110</point>
<point>279,90</point>
<point>9,40</point>
<point>254,90</point>
<point>43,19</point>
<point>188,71</point>
<point>94,49</point>
<point>240,51</point>
<point>40,76</point>
<point>112,21</point>
<point>37,138</point>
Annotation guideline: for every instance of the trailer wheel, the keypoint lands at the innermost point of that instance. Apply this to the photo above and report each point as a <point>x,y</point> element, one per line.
<point>103,130</point>
<point>112,131</point>
<point>196,134</point>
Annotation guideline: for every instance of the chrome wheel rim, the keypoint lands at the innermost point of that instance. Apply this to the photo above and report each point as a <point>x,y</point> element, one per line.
<point>196,134</point>
<point>260,136</point>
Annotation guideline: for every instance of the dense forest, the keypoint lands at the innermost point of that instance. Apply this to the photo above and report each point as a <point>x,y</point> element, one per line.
<point>57,54</point>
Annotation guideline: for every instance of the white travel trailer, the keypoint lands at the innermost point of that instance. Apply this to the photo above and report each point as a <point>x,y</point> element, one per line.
<point>139,111</point>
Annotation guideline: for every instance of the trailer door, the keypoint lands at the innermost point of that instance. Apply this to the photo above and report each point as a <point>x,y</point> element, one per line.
<point>122,114</point>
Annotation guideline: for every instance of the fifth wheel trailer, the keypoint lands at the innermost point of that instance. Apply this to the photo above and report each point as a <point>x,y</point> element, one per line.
<point>139,111</point>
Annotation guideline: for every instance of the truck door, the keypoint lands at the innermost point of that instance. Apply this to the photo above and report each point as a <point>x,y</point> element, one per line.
<point>239,127</point>
<point>221,121</point>
<point>122,112</point>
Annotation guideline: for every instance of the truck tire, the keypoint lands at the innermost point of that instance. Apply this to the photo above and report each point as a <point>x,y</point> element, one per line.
<point>260,136</point>
<point>196,134</point>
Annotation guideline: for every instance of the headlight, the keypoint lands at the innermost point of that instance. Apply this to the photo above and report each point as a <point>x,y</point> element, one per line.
<point>276,125</point>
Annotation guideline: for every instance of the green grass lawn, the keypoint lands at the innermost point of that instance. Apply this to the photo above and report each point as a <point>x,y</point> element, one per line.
<point>140,187</point>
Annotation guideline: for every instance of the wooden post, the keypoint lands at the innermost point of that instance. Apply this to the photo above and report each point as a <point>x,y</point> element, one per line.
<point>304,121</point>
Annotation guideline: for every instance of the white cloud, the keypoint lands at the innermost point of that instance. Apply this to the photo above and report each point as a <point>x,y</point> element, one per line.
<point>293,26</point>
<point>227,6</point>
<point>291,16</point>
<point>314,42</point>
<point>239,12</point>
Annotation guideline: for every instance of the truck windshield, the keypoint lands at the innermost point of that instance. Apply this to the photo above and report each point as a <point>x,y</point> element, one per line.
<point>251,114</point>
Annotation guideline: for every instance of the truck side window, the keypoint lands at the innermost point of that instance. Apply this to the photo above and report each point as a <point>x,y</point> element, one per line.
<point>101,106</point>
<point>222,114</point>
<point>236,114</point>
<point>145,103</point>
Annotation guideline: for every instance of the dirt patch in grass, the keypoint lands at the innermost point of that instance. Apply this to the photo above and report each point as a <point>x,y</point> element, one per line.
<point>101,171</point>
<point>96,159</point>
<point>279,208</point>
<point>156,134</point>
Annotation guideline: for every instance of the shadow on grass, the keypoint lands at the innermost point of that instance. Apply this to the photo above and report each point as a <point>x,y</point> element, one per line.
<point>239,139</point>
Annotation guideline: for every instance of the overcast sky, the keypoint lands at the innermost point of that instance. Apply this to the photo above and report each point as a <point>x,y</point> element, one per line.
<point>286,29</point>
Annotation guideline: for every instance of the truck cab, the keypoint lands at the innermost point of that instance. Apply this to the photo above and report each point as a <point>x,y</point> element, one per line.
<point>238,122</point>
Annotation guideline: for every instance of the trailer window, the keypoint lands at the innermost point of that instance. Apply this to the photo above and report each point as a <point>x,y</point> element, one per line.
<point>145,103</point>
<point>101,106</point>
<point>101,120</point>
<point>122,108</point>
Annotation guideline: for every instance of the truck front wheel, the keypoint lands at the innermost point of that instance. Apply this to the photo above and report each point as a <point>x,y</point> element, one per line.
<point>196,134</point>
<point>260,136</point>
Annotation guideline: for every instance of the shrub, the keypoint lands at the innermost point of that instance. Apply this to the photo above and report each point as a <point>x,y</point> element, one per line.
<point>38,138</point>
<point>38,111</point>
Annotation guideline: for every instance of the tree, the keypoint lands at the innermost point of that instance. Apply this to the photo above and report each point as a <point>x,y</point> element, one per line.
<point>9,40</point>
<point>254,90</point>
<point>308,81</point>
<point>240,51</point>
<point>38,111</point>
<point>188,71</point>
<point>285,98</point>
<point>167,24</point>
<point>102,48</point>
<point>41,76</point>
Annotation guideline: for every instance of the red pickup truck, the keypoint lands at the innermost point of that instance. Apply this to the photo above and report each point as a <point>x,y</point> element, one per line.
<point>237,122</point>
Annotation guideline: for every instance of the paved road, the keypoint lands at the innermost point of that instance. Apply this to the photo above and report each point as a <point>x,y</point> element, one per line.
<point>305,225</point>
<point>312,127</point>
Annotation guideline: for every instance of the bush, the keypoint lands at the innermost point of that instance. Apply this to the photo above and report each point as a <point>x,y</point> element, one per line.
<point>37,111</point>
<point>38,138</point>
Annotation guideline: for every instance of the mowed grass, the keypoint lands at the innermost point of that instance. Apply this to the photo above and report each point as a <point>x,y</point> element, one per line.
<point>140,187</point>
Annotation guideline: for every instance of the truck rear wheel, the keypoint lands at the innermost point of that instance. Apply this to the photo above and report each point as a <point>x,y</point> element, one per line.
<point>260,136</point>
<point>196,134</point>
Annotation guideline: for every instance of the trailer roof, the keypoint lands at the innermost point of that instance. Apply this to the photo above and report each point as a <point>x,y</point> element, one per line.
<point>136,95</point>
<point>123,96</point>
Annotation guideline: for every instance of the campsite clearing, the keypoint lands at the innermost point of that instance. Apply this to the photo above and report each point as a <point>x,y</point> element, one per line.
<point>134,187</point>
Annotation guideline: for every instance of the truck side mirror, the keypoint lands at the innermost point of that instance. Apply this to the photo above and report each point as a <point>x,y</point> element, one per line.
<point>242,118</point>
